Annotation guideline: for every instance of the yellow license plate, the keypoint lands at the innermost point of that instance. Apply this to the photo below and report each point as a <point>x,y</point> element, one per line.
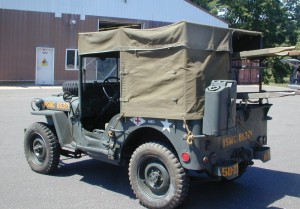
<point>229,171</point>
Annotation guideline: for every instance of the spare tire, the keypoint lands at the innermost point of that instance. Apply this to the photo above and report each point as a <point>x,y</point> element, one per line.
<point>71,87</point>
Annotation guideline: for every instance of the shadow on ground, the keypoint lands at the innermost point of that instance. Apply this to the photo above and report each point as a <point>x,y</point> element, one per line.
<point>258,188</point>
<point>94,172</point>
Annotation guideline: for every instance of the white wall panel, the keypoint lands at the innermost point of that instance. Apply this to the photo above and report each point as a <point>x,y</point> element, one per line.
<point>155,10</point>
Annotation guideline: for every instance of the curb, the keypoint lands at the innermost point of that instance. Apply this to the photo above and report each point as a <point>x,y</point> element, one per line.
<point>28,87</point>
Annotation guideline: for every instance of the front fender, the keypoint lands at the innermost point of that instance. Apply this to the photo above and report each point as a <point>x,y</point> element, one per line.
<point>61,123</point>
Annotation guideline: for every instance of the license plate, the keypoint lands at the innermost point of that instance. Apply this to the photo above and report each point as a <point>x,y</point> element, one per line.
<point>228,171</point>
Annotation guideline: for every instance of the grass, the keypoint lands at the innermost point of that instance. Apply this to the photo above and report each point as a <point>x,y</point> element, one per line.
<point>272,82</point>
<point>277,84</point>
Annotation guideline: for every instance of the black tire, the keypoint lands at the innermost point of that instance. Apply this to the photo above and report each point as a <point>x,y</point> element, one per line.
<point>41,148</point>
<point>157,177</point>
<point>71,87</point>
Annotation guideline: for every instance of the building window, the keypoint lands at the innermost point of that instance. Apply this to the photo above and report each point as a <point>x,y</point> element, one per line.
<point>72,59</point>
<point>108,25</point>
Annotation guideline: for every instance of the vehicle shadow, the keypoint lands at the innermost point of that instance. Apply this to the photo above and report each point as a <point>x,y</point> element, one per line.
<point>94,172</point>
<point>257,188</point>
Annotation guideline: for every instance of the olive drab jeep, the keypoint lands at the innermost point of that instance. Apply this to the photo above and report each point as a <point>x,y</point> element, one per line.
<point>163,102</point>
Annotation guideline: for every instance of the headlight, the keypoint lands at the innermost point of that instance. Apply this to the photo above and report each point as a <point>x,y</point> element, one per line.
<point>37,104</point>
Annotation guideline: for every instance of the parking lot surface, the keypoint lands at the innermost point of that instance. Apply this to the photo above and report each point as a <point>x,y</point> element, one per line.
<point>87,183</point>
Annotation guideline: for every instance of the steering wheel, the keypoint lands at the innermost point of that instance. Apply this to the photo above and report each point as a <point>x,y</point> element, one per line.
<point>110,90</point>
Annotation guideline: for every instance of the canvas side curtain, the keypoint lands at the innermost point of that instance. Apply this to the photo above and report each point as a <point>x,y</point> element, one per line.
<point>169,83</point>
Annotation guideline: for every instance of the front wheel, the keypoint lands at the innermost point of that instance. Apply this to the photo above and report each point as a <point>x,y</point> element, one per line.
<point>157,177</point>
<point>41,148</point>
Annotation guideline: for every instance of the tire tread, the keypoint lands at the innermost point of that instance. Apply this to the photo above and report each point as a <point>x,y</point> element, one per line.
<point>182,181</point>
<point>54,147</point>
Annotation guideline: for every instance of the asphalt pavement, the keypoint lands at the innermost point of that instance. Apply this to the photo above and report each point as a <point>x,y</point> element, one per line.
<point>91,184</point>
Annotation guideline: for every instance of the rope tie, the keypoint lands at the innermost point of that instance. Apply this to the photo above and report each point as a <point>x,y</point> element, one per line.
<point>190,136</point>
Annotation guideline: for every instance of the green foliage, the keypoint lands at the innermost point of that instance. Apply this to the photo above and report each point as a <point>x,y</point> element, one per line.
<point>266,76</point>
<point>298,43</point>
<point>202,3</point>
<point>209,5</point>
<point>279,20</point>
<point>278,70</point>
<point>267,16</point>
<point>293,11</point>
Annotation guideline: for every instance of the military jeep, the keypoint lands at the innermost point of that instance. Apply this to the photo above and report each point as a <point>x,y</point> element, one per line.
<point>163,102</point>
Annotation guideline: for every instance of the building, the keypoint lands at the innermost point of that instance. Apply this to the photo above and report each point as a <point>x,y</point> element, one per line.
<point>38,38</point>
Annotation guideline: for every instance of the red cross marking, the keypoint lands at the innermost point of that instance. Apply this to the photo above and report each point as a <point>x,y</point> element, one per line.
<point>137,120</point>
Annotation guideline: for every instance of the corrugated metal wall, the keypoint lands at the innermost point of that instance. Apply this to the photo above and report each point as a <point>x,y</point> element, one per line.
<point>25,25</point>
<point>154,10</point>
<point>23,31</point>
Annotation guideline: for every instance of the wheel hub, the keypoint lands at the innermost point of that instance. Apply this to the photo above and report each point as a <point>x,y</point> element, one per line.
<point>38,150</point>
<point>156,178</point>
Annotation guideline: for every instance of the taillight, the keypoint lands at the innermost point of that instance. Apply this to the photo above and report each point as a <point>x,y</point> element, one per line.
<point>185,157</point>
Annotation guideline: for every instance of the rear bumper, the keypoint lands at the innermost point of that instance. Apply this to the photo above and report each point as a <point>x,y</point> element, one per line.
<point>263,154</point>
<point>230,169</point>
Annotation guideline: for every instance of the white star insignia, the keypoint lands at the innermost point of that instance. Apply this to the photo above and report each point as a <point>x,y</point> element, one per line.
<point>166,125</point>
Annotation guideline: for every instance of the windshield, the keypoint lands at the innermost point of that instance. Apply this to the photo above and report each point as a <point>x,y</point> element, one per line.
<point>98,69</point>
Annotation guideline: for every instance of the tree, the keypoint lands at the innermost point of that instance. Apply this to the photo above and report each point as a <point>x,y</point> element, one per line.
<point>293,10</point>
<point>277,20</point>
<point>202,3</point>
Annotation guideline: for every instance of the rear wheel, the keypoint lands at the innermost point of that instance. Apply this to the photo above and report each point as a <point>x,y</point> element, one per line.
<point>156,176</point>
<point>41,148</point>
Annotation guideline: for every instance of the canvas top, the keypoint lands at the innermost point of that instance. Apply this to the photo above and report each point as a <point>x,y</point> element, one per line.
<point>164,71</point>
<point>183,33</point>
